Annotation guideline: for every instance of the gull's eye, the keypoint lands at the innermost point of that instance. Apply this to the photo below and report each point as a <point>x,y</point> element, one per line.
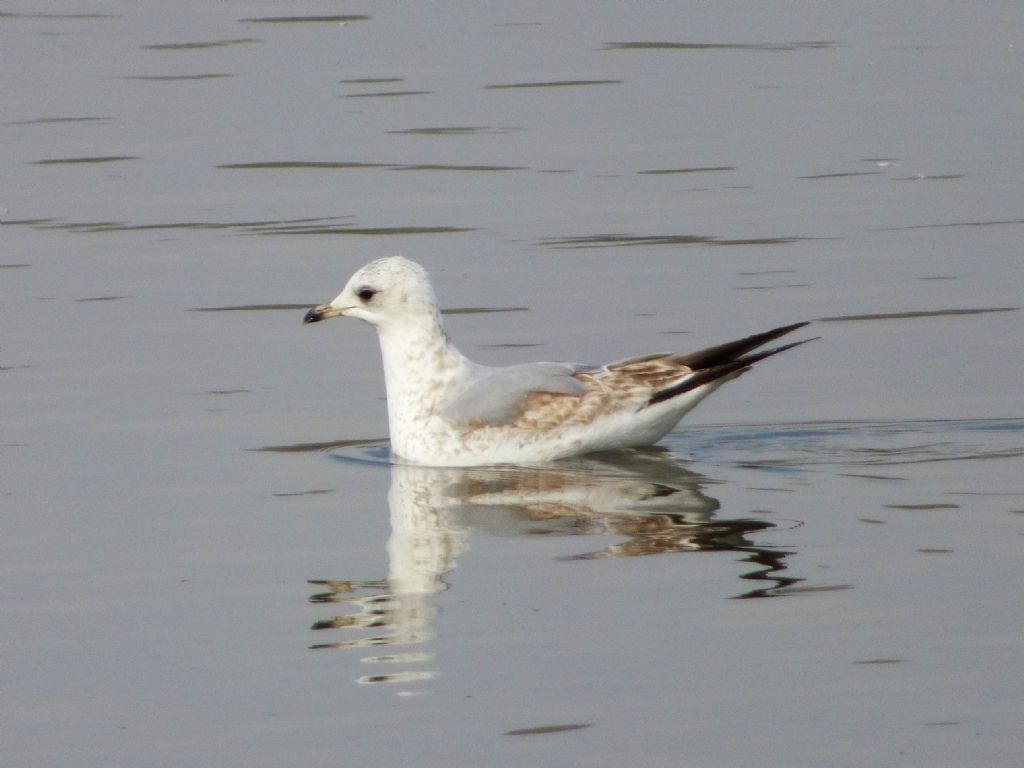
<point>365,294</point>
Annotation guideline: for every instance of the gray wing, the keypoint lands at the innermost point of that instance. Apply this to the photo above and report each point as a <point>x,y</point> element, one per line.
<point>495,394</point>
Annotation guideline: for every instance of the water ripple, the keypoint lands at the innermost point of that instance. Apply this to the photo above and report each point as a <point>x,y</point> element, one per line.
<point>798,447</point>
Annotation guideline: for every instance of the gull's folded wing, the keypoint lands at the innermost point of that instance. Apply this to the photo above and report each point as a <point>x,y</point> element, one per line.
<point>496,394</point>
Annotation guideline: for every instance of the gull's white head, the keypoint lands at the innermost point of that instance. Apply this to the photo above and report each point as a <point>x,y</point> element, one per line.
<point>386,291</point>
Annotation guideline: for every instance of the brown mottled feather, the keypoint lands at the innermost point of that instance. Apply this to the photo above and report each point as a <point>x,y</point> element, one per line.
<point>608,389</point>
<point>646,381</point>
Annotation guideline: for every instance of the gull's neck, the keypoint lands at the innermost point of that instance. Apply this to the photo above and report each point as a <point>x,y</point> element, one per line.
<point>422,370</point>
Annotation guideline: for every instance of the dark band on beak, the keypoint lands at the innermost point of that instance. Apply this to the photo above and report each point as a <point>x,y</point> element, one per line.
<point>320,312</point>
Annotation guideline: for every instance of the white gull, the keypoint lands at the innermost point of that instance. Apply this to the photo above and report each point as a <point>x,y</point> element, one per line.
<point>445,410</point>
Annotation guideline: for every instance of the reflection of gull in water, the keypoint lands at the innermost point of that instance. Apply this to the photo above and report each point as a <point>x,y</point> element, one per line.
<point>444,410</point>
<point>646,498</point>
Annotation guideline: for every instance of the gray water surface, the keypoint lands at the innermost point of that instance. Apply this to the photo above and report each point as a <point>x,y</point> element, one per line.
<point>206,557</point>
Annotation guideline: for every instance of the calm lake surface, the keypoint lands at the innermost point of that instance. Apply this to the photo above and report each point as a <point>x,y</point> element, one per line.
<point>206,556</point>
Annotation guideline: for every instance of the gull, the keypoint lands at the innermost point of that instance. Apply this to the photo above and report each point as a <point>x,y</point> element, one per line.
<point>445,410</point>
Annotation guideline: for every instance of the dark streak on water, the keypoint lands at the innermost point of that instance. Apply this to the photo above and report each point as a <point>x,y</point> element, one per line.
<point>371,80</point>
<point>481,310</point>
<point>383,94</point>
<point>669,46</point>
<point>907,315</point>
<point>455,130</point>
<point>253,308</point>
<point>996,223</point>
<point>842,175</point>
<point>668,171</point>
<point>199,46</point>
<point>367,231</point>
<point>340,19</point>
<point>620,239</point>
<point>324,446</point>
<point>299,164</point>
<point>440,167</point>
<point>116,226</point>
<point>330,226</point>
<point>179,78</point>
<point>550,84</point>
<point>343,165</point>
<point>83,160</point>
<point>922,506</point>
<point>57,120</point>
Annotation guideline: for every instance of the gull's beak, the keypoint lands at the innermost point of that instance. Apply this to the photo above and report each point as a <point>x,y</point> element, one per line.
<point>321,312</point>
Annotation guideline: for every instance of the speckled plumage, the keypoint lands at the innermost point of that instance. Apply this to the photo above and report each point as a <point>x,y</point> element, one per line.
<point>446,410</point>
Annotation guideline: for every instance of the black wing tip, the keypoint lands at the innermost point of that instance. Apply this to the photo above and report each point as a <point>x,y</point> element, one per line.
<point>721,372</point>
<point>782,330</point>
<point>731,351</point>
<point>757,339</point>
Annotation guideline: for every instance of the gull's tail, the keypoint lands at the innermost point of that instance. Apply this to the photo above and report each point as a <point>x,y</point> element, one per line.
<point>718,364</point>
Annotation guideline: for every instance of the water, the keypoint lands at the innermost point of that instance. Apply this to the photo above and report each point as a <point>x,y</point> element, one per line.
<point>206,556</point>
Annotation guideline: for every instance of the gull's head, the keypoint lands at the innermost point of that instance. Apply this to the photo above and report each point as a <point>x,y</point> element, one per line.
<point>385,291</point>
